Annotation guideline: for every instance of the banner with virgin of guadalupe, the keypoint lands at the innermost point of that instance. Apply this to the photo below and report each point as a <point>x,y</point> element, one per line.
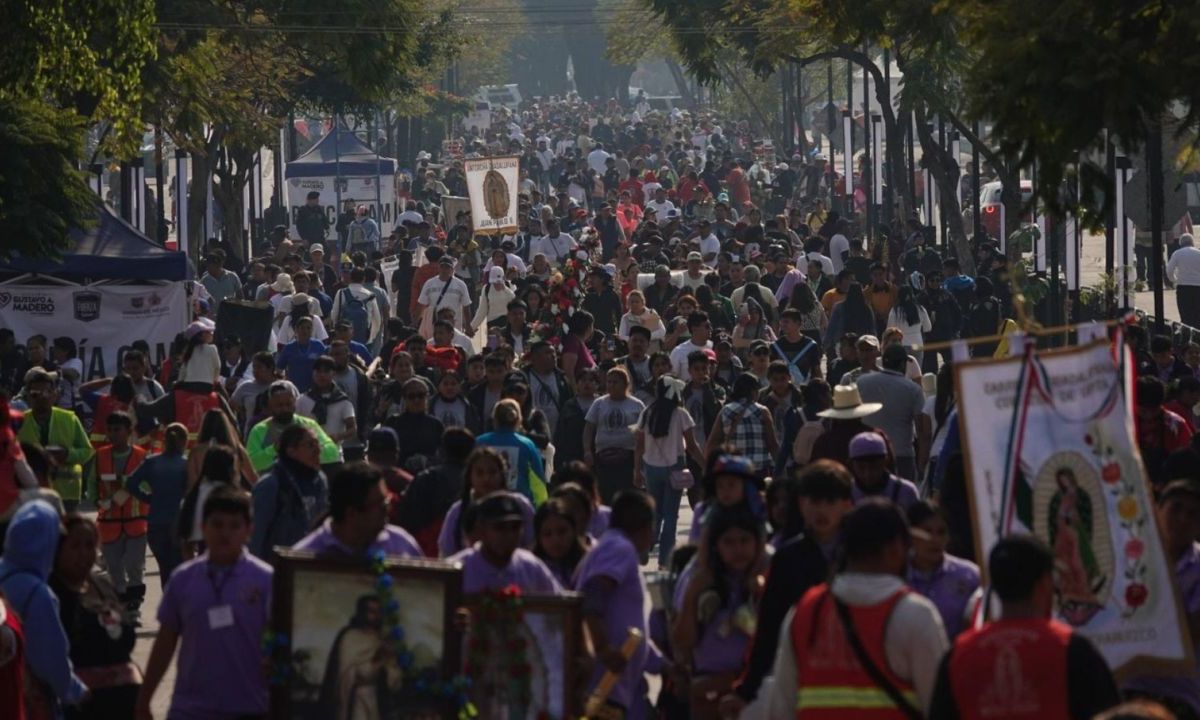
<point>1049,449</point>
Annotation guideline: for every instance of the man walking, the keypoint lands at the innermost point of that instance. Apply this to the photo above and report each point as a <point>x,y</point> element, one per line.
<point>1183,269</point>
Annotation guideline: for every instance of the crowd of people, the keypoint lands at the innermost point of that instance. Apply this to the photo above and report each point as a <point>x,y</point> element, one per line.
<point>679,318</point>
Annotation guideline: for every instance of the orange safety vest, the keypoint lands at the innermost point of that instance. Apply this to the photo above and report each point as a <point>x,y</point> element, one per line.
<point>128,517</point>
<point>1011,669</point>
<point>105,406</point>
<point>830,683</point>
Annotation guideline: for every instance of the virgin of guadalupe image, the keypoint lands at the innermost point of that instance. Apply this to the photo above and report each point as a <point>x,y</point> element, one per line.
<point>361,672</point>
<point>1071,518</point>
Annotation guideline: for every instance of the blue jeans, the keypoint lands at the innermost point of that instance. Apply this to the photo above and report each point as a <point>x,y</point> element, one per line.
<point>166,550</point>
<point>666,504</point>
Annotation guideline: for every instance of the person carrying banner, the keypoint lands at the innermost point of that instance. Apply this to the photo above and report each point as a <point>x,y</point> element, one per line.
<point>863,645</point>
<point>1025,665</point>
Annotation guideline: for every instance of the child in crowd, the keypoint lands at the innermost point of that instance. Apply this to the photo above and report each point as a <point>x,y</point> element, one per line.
<point>498,561</point>
<point>556,540</point>
<point>948,581</point>
<point>122,517</point>
<point>582,475</point>
<point>449,406</point>
<point>486,473</point>
<point>731,480</point>
<point>716,601</point>
<point>614,600</point>
<point>579,503</point>
<point>163,479</point>
<point>215,611</point>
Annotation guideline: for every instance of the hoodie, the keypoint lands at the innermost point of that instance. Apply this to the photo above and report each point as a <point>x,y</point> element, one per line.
<point>29,549</point>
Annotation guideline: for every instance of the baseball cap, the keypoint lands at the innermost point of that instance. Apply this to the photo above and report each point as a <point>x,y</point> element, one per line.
<point>383,439</point>
<point>499,507</point>
<point>695,256</point>
<point>316,248</point>
<point>868,340</point>
<point>867,444</point>
<point>735,465</point>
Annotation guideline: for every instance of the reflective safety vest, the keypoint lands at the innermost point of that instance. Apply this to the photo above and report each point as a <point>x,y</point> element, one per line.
<point>830,683</point>
<point>105,406</point>
<point>119,512</point>
<point>1011,669</point>
<point>190,408</point>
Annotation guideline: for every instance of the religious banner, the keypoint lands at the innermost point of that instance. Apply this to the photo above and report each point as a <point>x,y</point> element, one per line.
<point>492,186</point>
<point>1049,449</point>
<point>103,320</point>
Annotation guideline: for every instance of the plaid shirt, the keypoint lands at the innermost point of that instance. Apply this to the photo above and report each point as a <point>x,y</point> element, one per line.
<point>749,433</point>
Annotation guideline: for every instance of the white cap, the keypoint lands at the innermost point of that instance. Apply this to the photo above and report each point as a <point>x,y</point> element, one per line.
<point>496,274</point>
<point>316,247</point>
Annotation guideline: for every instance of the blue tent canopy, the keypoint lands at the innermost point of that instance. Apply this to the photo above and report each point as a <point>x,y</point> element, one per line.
<point>111,250</point>
<point>340,154</point>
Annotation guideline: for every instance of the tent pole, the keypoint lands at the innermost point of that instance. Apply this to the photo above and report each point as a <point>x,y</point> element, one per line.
<point>181,200</point>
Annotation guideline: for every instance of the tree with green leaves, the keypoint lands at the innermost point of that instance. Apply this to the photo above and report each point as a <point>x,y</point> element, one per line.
<point>228,74</point>
<point>65,66</point>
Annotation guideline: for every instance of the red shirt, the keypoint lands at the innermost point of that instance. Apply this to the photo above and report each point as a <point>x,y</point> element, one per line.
<point>634,187</point>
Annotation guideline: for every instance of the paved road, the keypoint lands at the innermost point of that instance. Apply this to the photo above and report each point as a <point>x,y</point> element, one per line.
<point>1091,270</point>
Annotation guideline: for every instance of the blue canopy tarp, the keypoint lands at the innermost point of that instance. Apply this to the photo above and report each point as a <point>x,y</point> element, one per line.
<point>111,250</point>
<point>340,154</point>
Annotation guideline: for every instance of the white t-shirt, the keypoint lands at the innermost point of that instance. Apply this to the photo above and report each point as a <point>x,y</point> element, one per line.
<point>456,297</point>
<point>596,160</point>
<point>710,246</point>
<point>335,418</point>
<point>285,334</point>
<point>838,244</point>
<point>554,248</point>
<point>659,209</point>
<point>665,451</point>
<point>614,421</point>
<point>204,365</point>
<point>679,357</point>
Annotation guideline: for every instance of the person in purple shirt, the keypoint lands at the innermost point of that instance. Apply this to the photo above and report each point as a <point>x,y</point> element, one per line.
<point>557,541</point>
<point>949,582</point>
<point>357,523</point>
<point>579,473</point>
<point>215,610</point>
<point>1178,512</point>
<point>497,561</point>
<point>868,462</point>
<point>486,473</point>
<point>614,599</point>
<point>715,602</point>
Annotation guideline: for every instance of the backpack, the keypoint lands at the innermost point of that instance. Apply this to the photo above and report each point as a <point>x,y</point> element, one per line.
<point>354,310</point>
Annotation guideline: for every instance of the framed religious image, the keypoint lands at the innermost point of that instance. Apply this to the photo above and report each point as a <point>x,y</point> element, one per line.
<point>521,654</point>
<point>364,640</point>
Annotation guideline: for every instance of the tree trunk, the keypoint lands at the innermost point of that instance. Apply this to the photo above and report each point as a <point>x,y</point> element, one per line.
<point>685,89</point>
<point>944,169</point>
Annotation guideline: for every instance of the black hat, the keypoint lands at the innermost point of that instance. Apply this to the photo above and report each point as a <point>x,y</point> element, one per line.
<point>383,439</point>
<point>499,507</point>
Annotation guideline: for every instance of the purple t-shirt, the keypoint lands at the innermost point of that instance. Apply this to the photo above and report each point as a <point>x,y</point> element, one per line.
<point>599,522</point>
<point>900,491</point>
<point>392,540</point>
<point>616,558</point>
<point>220,615</point>
<point>524,570</point>
<point>950,588</point>
<point>721,646</point>
<point>572,344</point>
<point>448,544</point>
<point>1187,576</point>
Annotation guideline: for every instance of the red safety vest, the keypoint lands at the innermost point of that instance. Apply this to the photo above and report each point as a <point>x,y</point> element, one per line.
<point>12,673</point>
<point>128,517</point>
<point>104,407</point>
<point>190,408</point>
<point>1011,669</point>
<point>830,682</point>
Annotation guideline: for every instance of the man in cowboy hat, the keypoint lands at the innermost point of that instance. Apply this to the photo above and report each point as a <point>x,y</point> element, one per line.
<point>845,422</point>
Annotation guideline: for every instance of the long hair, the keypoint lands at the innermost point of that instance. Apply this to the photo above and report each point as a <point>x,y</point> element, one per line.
<point>857,312</point>
<point>215,426</point>
<point>194,342</point>
<point>803,298</point>
<point>557,507</point>
<point>722,520</point>
<point>662,408</point>
<point>907,301</point>
<point>479,454</point>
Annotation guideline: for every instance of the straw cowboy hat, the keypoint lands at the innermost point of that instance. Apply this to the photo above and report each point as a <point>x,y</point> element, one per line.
<point>848,404</point>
